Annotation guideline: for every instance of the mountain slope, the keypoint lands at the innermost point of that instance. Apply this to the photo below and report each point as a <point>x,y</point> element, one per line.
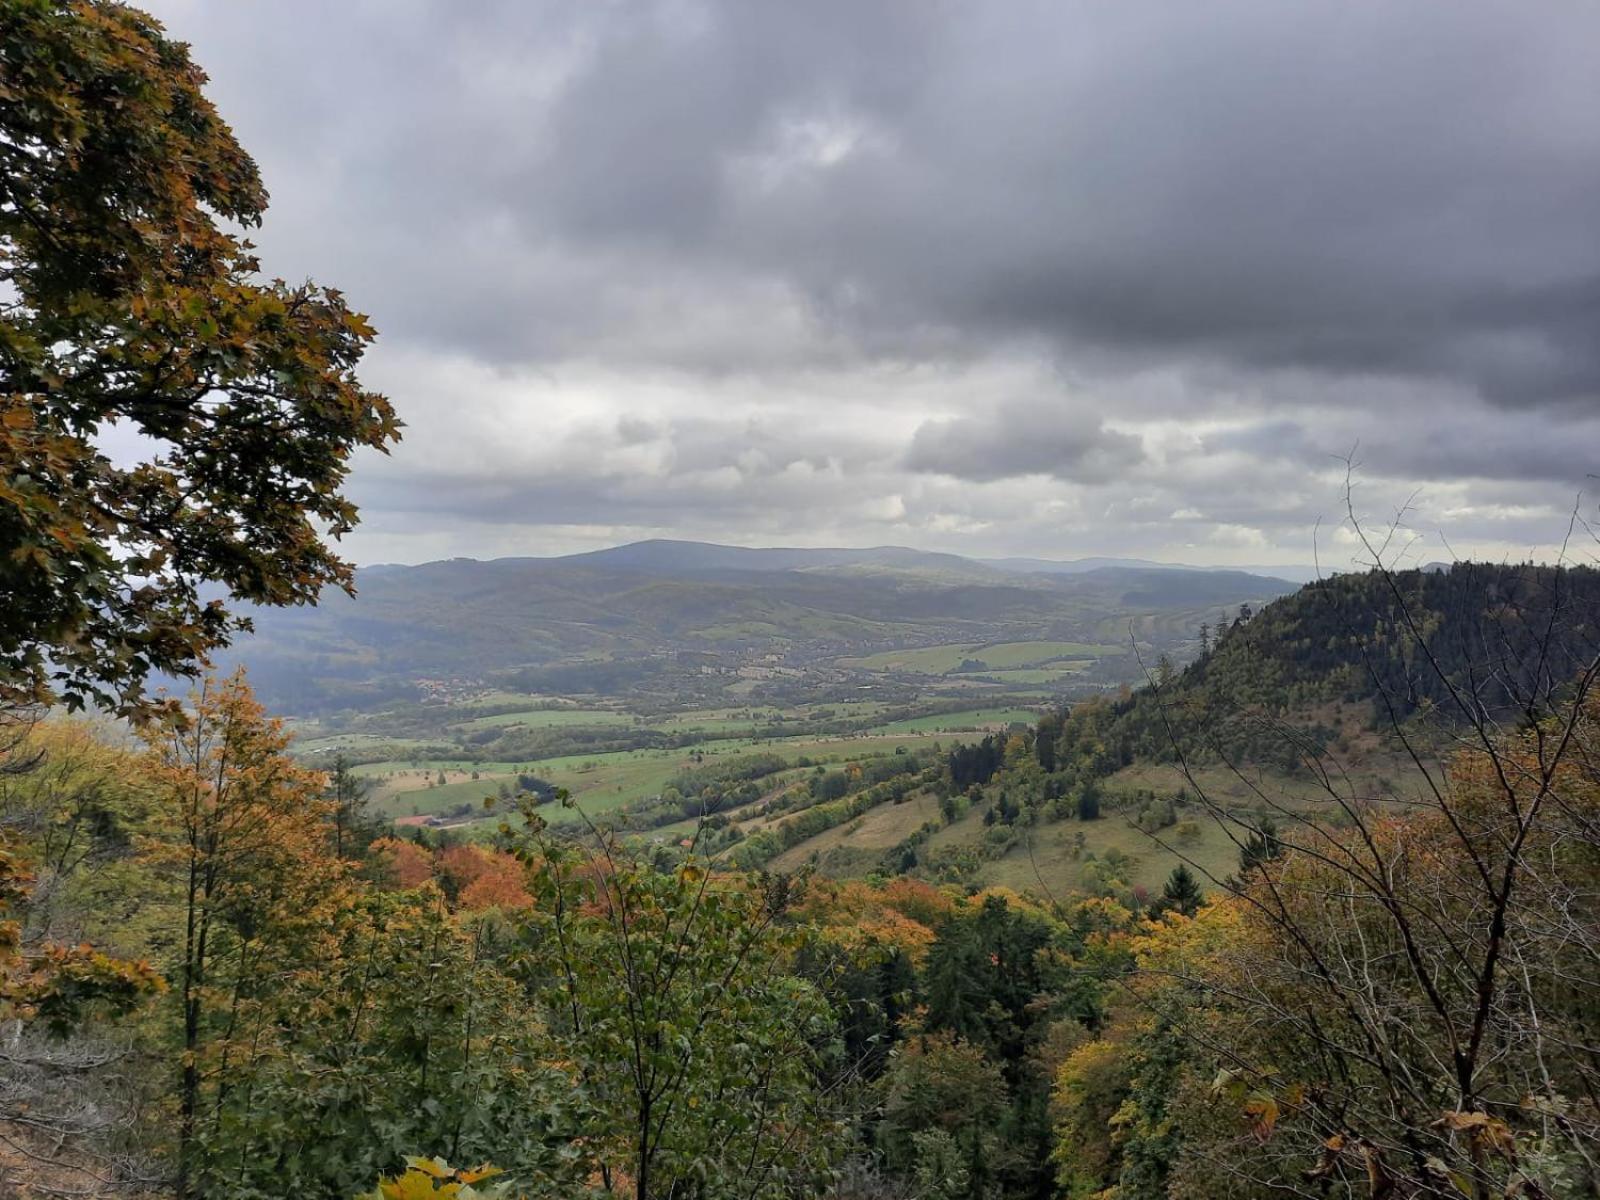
<point>464,618</point>
<point>1075,566</point>
<point>1476,638</point>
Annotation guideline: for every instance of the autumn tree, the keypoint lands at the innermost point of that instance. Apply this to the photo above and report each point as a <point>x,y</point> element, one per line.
<point>128,304</point>
<point>695,1044</point>
<point>401,863</point>
<point>56,1107</point>
<point>242,837</point>
<point>1409,1006</point>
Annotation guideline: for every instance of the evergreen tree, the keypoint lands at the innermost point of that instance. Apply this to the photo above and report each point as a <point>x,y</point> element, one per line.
<point>1089,802</point>
<point>1261,846</point>
<point>1180,894</point>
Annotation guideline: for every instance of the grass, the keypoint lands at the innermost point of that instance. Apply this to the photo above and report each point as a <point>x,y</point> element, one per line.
<point>600,782</point>
<point>1055,865</point>
<point>931,660</point>
<point>1009,655</point>
<point>354,743</point>
<point>497,699</point>
<point>877,830</point>
<point>993,656</point>
<point>429,800</point>
<point>548,718</point>
<point>1027,675</point>
<point>406,766</point>
<point>1052,859</point>
<point>719,720</point>
<point>1388,775</point>
<point>773,784</point>
<point>972,718</point>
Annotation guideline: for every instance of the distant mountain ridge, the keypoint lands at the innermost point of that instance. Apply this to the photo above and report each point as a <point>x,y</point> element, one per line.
<point>1073,566</point>
<point>678,556</point>
<point>660,554</point>
<point>466,618</point>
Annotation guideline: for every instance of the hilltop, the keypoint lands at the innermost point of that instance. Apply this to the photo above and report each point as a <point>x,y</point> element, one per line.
<point>1325,679</point>
<point>1456,643</point>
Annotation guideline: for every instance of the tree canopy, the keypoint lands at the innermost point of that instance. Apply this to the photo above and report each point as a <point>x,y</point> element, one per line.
<point>133,312</point>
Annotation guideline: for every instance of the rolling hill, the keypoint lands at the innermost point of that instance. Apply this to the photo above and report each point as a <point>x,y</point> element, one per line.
<point>466,618</point>
<point>1450,644</point>
<point>1328,673</point>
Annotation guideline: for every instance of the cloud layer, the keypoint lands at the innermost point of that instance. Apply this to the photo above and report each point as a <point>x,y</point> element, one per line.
<point>1048,278</point>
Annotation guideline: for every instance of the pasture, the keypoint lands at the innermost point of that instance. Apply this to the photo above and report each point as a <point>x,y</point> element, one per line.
<point>980,656</point>
<point>971,719</point>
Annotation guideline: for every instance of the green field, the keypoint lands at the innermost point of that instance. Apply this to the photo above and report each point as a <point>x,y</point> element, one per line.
<point>1010,655</point>
<point>351,743</point>
<point>996,656</point>
<point>599,782</point>
<point>548,718</point>
<point>771,785</point>
<point>1051,866</point>
<point>599,786</point>
<point>877,830</point>
<point>719,720</point>
<point>406,766</point>
<point>1034,675</point>
<point>498,699</point>
<point>971,718</point>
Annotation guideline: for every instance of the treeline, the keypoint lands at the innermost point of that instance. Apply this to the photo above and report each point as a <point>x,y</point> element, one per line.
<point>832,799</point>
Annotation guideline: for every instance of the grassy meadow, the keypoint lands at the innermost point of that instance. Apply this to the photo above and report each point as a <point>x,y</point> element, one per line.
<point>992,656</point>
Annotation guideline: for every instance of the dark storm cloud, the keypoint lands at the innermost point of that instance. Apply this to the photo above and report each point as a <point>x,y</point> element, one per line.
<point>1354,187</point>
<point>1250,233</point>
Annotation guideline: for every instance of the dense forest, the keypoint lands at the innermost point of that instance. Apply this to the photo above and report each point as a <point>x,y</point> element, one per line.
<point>224,977</point>
<point>1453,645</point>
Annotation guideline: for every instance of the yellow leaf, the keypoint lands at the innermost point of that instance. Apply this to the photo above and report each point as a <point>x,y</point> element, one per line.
<point>1263,1112</point>
<point>436,1167</point>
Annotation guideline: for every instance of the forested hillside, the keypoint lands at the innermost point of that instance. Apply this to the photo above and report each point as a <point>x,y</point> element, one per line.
<point>1472,642</point>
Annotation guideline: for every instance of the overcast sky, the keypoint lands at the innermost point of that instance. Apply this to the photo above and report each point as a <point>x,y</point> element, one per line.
<point>1045,278</point>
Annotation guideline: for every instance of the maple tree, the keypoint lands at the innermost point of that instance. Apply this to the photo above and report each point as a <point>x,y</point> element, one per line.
<point>130,311</point>
<point>434,1177</point>
<point>479,878</point>
<point>402,864</point>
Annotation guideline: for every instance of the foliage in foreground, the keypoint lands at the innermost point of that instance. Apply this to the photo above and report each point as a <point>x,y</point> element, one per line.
<point>128,303</point>
<point>618,1027</point>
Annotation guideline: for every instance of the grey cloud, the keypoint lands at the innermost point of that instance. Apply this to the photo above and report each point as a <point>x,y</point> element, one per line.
<point>1294,227</point>
<point>1023,440</point>
<point>1352,187</point>
<point>1430,444</point>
